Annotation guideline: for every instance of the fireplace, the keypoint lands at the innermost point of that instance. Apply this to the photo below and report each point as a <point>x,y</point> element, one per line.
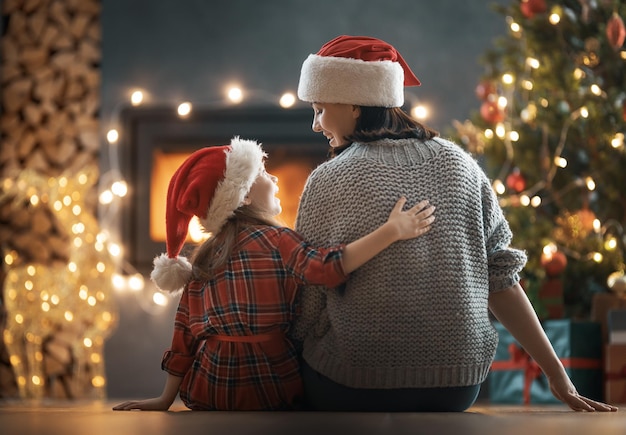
<point>156,140</point>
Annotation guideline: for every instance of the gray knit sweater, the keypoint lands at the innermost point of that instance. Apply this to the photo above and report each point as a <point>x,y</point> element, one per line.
<point>416,315</point>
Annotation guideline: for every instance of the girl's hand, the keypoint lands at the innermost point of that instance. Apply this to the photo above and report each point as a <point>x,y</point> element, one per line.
<point>413,222</point>
<point>155,404</point>
<point>564,390</point>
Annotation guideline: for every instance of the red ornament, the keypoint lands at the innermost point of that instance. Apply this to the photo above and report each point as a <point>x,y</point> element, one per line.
<point>515,181</point>
<point>490,112</point>
<point>485,89</point>
<point>554,263</point>
<point>615,31</point>
<point>531,7</point>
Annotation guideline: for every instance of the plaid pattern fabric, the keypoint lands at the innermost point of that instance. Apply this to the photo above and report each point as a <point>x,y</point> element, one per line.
<point>253,294</point>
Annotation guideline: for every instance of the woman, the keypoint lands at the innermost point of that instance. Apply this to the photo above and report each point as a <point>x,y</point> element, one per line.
<point>411,330</point>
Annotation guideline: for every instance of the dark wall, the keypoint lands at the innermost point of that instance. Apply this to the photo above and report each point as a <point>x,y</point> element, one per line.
<point>190,49</point>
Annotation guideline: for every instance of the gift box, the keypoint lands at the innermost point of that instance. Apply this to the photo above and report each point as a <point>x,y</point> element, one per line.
<point>601,304</point>
<point>617,326</point>
<point>615,373</point>
<point>515,378</point>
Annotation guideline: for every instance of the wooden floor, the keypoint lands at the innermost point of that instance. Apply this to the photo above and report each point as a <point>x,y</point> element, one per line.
<point>97,418</point>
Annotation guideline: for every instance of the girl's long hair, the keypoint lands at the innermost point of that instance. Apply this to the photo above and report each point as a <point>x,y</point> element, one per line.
<point>216,251</point>
<point>377,123</point>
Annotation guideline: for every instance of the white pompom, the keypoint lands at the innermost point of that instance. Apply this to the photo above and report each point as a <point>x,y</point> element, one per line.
<point>171,274</point>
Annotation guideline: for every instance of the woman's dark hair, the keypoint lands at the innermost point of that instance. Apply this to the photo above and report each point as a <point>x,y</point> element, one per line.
<point>377,123</point>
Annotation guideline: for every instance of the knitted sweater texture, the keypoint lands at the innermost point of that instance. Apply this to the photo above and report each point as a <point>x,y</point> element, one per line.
<point>416,315</point>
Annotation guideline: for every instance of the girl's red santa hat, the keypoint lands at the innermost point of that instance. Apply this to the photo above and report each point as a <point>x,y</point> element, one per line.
<point>210,184</point>
<point>357,70</point>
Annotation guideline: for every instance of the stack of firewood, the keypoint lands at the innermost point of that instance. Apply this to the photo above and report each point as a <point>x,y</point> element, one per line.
<point>50,84</point>
<point>49,98</point>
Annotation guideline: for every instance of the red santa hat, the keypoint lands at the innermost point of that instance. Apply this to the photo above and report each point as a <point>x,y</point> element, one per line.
<point>210,184</point>
<point>356,70</point>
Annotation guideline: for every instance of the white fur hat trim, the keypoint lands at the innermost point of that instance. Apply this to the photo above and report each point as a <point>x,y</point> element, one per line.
<point>171,274</point>
<point>326,79</point>
<point>244,162</point>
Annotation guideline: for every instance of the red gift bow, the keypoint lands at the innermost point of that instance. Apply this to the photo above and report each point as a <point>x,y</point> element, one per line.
<point>520,360</point>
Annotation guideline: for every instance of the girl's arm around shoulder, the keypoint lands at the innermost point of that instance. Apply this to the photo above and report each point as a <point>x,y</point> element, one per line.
<point>401,225</point>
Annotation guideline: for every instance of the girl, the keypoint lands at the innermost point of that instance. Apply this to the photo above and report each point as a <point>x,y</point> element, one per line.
<point>230,350</point>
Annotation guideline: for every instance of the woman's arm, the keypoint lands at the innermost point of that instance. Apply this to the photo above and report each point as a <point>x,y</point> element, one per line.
<point>513,309</point>
<point>401,225</point>
<point>161,403</point>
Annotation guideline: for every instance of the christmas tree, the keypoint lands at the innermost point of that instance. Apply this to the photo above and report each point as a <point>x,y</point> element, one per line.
<point>549,132</point>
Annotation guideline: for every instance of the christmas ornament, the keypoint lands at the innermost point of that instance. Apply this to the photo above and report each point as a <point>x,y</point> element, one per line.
<point>515,181</point>
<point>531,7</point>
<point>617,282</point>
<point>490,112</point>
<point>554,263</point>
<point>485,89</point>
<point>615,31</point>
<point>586,218</point>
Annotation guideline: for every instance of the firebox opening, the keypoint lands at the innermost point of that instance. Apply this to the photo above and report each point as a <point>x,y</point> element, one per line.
<point>292,174</point>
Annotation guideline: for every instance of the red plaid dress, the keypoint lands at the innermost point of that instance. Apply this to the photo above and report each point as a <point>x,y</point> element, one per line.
<point>230,344</point>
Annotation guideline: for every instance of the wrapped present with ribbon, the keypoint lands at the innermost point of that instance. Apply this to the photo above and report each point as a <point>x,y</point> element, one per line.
<point>515,378</point>
<point>615,374</point>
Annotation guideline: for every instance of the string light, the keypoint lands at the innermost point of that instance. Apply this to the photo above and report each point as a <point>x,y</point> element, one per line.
<point>287,100</point>
<point>235,94</point>
<point>419,112</point>
<point>184,109</point>
<point>136,98</point>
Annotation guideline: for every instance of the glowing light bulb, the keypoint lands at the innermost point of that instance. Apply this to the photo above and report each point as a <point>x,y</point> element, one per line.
<point>235,94</point>
<point>136,98</point>
<point>508,78</point>
<point>136,282</point>
<point>498,186</point>
<point>106,197</point>
<point>419,112</point>
<point>610,244</point>
<point>524,200</point>
<point>184,109</point>
<point>561,162</point>
<point>535,201</point>
<point>532,62</point>
<point>287,100</point>
<point>159,299</point>
<point>113,136</point>
<point>119,188</point>
<point>554,19</point>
